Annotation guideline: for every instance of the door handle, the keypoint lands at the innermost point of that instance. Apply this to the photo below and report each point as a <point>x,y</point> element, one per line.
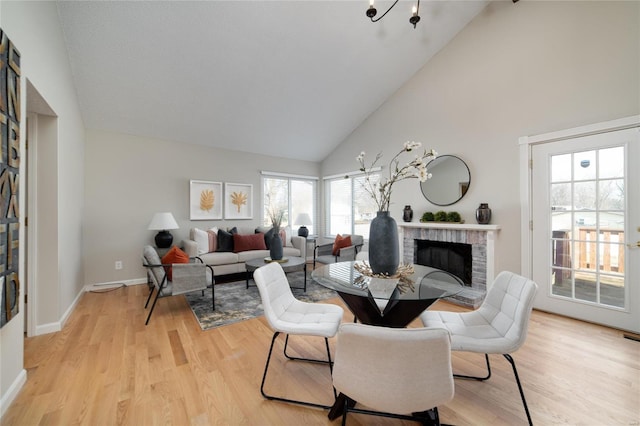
<point>631,245</point>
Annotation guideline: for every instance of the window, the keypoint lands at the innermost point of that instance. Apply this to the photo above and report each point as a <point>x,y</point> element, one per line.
<point>349,208</point>
<point>292,194</point>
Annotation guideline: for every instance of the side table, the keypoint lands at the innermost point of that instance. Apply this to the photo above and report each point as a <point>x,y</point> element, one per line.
<point>293,264</point>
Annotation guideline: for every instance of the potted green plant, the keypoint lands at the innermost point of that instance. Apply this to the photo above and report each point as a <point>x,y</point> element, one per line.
<point>427,217</point>
<point>440,216</point>
<point>453,217</point>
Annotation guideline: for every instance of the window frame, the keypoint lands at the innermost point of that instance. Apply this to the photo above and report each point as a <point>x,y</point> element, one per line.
<point>313,180</point>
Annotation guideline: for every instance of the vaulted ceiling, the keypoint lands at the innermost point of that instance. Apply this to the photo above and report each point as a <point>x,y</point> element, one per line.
<point>286,78</point>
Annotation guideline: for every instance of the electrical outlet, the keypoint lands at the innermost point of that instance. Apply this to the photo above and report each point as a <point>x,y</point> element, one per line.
<point>118,264</point>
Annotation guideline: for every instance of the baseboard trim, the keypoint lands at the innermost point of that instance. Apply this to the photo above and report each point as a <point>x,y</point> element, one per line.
<point>135,281</point>
<point>13,391</point>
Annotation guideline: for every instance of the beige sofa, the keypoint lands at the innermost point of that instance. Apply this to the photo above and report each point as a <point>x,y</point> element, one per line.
<point>232,262</point>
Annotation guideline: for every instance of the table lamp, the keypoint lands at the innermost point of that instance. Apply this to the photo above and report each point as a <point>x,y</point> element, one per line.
<point>163,222</point>
<point>303,219</point>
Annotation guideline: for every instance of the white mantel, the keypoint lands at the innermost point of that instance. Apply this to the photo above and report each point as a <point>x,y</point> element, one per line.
<point>481,237</point>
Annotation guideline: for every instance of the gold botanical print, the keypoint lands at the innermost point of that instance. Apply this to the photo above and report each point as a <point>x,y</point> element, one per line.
<point>239,199</point>
<point>207,200</point>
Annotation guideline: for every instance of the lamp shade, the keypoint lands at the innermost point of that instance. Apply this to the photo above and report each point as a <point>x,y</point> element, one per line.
<point>303,219</point>
<point>163,222</point>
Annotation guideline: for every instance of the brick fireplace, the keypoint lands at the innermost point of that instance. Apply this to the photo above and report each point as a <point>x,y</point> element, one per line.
<point>481,238</point>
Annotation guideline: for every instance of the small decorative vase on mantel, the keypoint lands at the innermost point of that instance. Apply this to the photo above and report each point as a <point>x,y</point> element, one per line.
<point>407,214</point>
<point>483,214</point>
<point>275,246</point>
<point>384,254</point>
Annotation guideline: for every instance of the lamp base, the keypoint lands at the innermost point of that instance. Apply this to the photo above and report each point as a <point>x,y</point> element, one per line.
<point>164,239</point>
<point>303,231</point>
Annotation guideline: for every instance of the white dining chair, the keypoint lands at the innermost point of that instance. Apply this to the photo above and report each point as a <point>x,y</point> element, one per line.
<point>498,326</point>
<point>403,373</point>
<point>288,315</point>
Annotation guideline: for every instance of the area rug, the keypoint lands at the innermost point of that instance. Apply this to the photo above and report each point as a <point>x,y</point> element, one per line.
<point>235,302</point>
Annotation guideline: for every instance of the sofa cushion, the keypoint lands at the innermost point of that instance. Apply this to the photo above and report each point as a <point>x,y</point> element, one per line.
<point>174,255</point>
<point>219,258</point>
<point>225,240</point>
<point>248,242</point>
<point>340,242</point>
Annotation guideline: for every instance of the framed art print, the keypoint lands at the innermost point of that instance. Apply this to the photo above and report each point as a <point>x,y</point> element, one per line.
<point>205,200</point>
<point>238,201</point>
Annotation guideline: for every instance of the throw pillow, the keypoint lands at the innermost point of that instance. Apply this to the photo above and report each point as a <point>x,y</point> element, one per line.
<point>225,240</point>
<point>248,242</point>
<point>213,239</point>
<point>174,255</point>
<point>202,240</point>
<point>341,242</point>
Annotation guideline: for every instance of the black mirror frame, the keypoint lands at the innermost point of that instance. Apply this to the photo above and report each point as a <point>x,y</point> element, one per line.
<point>423,184</point>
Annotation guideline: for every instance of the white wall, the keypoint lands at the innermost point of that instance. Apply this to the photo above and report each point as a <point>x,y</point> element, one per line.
<point>129,178</point>
<point>515,70</point>
<point>33,27</point>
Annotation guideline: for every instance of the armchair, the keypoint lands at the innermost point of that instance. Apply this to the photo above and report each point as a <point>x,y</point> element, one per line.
<point>324,253</point>
<point>186,277</point>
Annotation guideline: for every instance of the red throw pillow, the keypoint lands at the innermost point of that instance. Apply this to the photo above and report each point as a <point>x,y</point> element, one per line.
<point>174,255</point>
<point>248,242</point>
<point>341,242</point>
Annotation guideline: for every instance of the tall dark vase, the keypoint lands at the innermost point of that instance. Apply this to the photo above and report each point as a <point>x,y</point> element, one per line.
<point>384,255</point>
<point>275,246</point>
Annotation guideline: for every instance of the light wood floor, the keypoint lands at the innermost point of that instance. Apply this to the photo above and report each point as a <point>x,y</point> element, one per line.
<point>105,368</point>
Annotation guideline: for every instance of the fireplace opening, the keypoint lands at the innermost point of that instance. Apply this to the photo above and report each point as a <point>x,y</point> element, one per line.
<point>454,258</point>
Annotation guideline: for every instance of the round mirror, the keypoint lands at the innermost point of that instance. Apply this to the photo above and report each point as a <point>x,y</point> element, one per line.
<point>450,180</point>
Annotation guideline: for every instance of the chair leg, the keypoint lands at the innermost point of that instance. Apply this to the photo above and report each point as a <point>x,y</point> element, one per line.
<point>266,368</point>
<point>461,376</point>
<point>152,307</point>
<point>321,361</point>
<point>149,298</point>
<point>515,373</point>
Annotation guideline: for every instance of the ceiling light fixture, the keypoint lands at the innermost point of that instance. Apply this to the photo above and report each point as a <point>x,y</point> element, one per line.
<point>415,18</point>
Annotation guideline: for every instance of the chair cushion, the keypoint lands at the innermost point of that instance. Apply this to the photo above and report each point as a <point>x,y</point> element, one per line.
<point>341,242</point>
<point>150,256</point>
<point>174,255</point>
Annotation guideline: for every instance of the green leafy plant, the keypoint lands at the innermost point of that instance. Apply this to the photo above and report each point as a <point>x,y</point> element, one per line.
<point>427,217</point>
<point>453,217</point>
<point>440,216</point>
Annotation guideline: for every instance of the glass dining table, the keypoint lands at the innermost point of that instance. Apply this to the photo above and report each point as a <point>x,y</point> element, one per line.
<point>387,302</point>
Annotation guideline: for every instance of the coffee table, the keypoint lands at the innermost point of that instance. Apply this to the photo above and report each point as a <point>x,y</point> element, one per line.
<point>293,264</point>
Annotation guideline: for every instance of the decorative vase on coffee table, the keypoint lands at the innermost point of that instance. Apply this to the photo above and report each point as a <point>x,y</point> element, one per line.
<point>384,253</point>
<point>275,246</point>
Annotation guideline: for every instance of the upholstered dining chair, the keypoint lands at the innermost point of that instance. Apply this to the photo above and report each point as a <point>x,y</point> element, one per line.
<point>498,326</point>
<point>185,278</point>
<point>402,373</point>
<point>288,315</point>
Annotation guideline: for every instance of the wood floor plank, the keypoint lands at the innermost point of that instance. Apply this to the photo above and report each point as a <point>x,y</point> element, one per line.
<point>107,367</point>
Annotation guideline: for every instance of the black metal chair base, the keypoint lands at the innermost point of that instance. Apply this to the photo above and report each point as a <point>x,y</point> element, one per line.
<point>515,373</point>
<point>294,401</point>
<point>213,295</point>
<point>427,418</point>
